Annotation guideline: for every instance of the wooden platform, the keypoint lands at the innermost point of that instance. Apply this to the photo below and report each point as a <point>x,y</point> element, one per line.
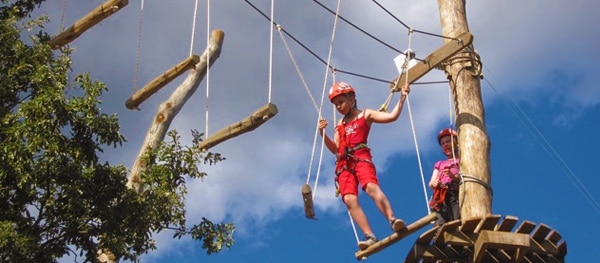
<point>489,239</point>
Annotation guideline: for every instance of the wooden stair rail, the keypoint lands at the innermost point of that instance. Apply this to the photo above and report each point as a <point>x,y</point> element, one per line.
<point>250,123</point>
<point>92,18</point>
<point>430,62</point>
<point>395,237</point>
<point>159,82</point>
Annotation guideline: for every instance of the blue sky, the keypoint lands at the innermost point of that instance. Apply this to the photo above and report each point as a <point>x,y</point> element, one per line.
<point>539,90</point>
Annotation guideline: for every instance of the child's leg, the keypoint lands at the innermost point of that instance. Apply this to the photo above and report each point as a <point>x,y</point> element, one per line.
<point>381,201</point>
<point>357,214</point>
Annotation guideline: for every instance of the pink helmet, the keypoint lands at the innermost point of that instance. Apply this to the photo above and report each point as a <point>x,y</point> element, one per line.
<point>446,132</point>
<point>340,88</point>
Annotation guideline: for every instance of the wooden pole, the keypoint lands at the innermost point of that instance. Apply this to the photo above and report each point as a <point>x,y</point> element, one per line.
<point>92,18</point>
<point>168,109</point>
<point>250,123</point>
<point>159,82</point>
<point>461,70</point>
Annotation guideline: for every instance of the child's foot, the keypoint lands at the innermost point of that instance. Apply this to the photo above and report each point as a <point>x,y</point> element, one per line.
<point>368,241</point>
<point>397,224</point>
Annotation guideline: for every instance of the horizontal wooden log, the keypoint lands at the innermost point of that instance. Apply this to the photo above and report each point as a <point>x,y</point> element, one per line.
<point>257,118</point>
<point>307,196</point>
<point>430,62</point>
<point>92,18</point>
<point>159,82</point>
<point>395,237</point>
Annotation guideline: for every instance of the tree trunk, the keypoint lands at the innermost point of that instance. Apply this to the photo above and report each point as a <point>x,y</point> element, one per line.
<point>168,109</point>
<point>463,72</point>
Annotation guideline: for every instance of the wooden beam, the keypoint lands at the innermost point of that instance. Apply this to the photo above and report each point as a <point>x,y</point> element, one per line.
<point>159,82</point>
<point>438,56</point>
<point>395,237</point>
<point>309,209</point>
<point>250,123</point>
<point>92,18</point>
<point>499,240</point>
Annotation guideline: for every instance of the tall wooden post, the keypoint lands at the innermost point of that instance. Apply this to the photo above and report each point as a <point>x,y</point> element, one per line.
<point>462,72</point>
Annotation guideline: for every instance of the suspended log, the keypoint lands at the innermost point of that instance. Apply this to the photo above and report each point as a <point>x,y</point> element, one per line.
<point>395,237</point>
<point>257,118</point>
<point>309,209</point>
<point>430,62</point>
<point>159,82</point>
<point>92,18</point>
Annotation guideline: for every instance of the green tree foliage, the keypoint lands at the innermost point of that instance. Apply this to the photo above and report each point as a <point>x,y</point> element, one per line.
<point>56,196</point>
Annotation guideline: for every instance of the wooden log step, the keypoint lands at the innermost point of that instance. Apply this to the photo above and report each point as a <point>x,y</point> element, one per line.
<point>307,196</point>
<point>92,18</point>
<point>250,123</point>
<point>159,82</point>
<point>395,237</point>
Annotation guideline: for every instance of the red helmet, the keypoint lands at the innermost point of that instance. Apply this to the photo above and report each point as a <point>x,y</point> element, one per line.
<point>340,88</point>
<point>446,132</point>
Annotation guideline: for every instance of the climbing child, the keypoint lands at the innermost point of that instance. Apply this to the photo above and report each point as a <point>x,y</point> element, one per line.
<point>354,165</point>
<point>445,178</point>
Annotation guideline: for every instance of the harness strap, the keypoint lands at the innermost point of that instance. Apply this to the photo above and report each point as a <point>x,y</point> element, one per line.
<point>438,198</point>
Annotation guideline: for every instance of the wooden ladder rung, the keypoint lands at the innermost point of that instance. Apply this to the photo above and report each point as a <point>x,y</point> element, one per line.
<point>159,82</point>
<point>250,123</point>
<point>92,18</point>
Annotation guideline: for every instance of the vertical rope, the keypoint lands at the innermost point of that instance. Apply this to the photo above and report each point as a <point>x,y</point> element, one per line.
<point>138,52</point>
<point>193,28</point>
<point>62,15</point>
<point>412,124</point>
<point>206,100</point>
<point>271,23</point>
<point>324,88</point>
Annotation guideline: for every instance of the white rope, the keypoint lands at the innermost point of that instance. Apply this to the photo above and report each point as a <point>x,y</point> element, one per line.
<point>138,52</point>
<point>193,27</point>
<point>323,98</point>
<point>206,100</point>
<point>271,49</point>
<point>63,13</point>
<point>312,99</point>
<point>412,124</point>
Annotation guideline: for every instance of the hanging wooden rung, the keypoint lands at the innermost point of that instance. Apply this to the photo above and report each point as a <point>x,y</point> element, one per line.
<point>257,118</point>
<point>159,82</point>
<point>438,56</point>
<point>395,237</point>
<point>92,18</point>
<point>309,209</point>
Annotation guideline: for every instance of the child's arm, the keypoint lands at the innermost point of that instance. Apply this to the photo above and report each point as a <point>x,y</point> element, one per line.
<point>434,182</point>
<point>386,117</point>
<point>331,145</point>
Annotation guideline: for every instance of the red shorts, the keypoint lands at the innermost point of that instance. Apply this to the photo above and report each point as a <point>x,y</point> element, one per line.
<point>348,182</point>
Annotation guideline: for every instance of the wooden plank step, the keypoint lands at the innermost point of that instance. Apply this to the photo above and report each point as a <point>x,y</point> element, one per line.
<point>507,224</point>
<point>541,232</point>
<point>487,223</point>
<point>439,238</point>
<point>526,227</point>
<point>395,237</point>
<point>469,225</point>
